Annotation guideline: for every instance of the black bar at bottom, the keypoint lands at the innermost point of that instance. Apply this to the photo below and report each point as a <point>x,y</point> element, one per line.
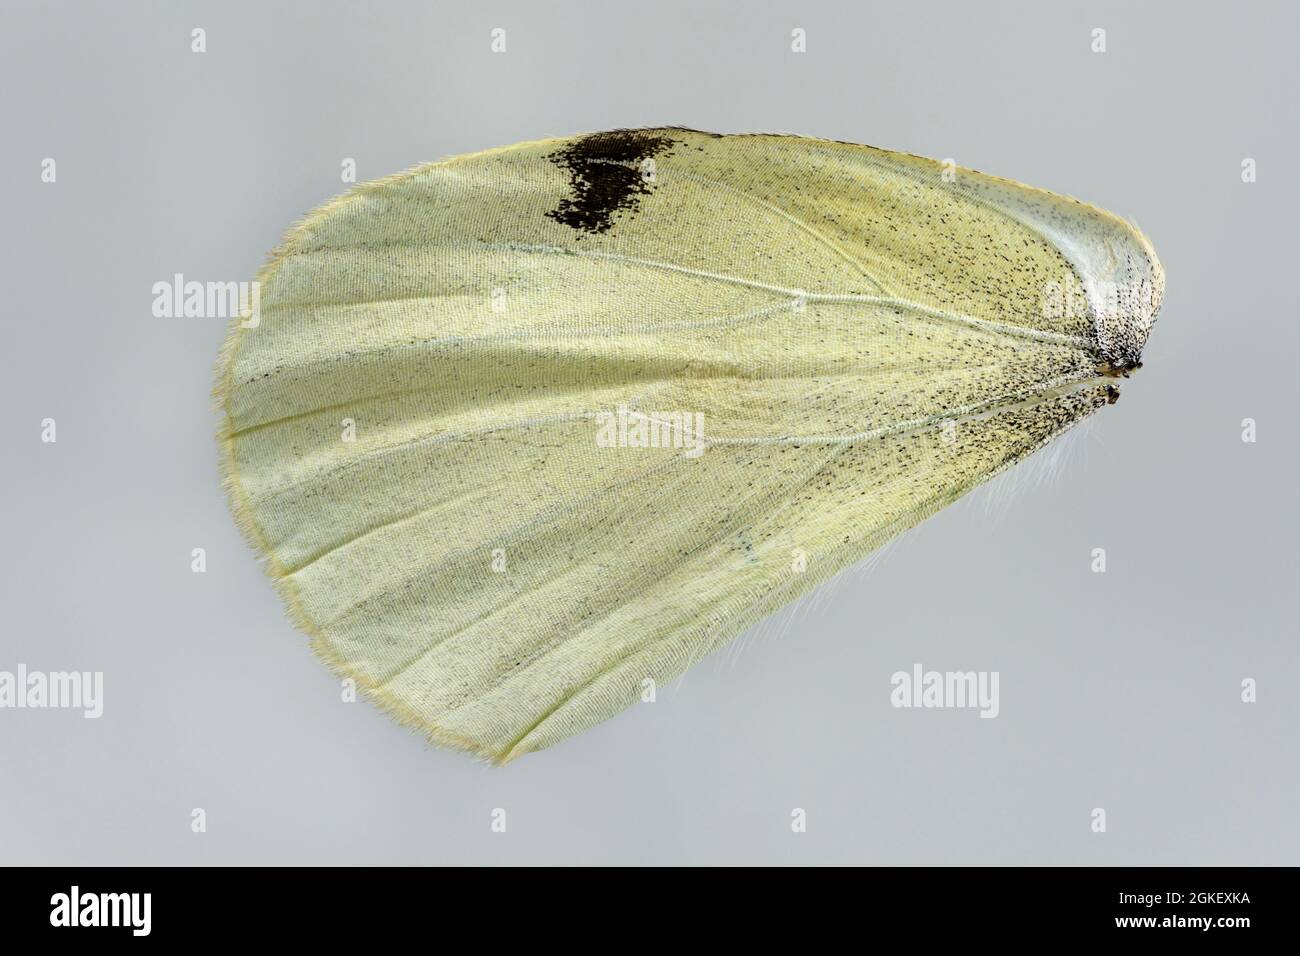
<point>342,904</point>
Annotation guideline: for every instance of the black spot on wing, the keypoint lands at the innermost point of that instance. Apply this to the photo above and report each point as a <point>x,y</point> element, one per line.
<point>606,176</point>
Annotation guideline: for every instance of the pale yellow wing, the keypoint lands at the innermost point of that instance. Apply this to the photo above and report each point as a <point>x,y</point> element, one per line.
<point>520,431</point>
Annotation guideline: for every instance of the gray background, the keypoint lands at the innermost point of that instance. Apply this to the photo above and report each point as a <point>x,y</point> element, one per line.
<point>1118,690</point>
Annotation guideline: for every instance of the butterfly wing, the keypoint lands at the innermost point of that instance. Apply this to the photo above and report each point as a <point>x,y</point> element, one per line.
<point>520,431</point>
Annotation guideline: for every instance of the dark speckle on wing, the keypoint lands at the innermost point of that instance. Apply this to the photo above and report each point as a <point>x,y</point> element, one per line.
<point>606,176</point>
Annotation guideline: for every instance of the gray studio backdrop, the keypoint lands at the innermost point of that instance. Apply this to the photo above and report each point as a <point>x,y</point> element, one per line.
<point>1119,691</point>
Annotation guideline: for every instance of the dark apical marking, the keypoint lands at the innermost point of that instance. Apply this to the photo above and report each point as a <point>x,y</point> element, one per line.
<point>606,176</point>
